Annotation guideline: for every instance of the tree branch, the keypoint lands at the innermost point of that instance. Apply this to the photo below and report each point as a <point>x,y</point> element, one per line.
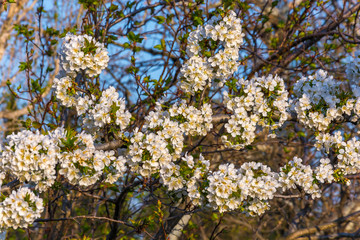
<point>322,227</point>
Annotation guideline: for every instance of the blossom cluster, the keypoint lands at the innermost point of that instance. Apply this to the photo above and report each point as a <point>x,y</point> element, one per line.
<point>197,74</point>
<point>296,173</point>
<point>66,93</point>
<point>261,101</point>
<point>97,110</point>
<point>322,100</point>
<point>148,152</point>
<point>193,121</point>
<point>347,152</point>
<point>82,53</point>
<point>108,109</point>
<point>250,187</point>
<point>20,209</point>
<point>222,188</point>
<point>34,159</point>
<point>160,144</point>
<point>31,158</point>
<point>158,147</point>
<point>213,50</point>
<point>82,165</point>
<point>195,172</point>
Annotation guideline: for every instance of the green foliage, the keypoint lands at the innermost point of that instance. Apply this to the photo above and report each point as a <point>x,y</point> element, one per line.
<point>134,37</point>
<point>161,46</point>
<point>197,17</point>
<point>25,30</point>
<point>5,3</point>
<point>68,143</point>
<point>25,65</point>
<point>160,19</point>
<point>89,48</point>
<point>90,4</point>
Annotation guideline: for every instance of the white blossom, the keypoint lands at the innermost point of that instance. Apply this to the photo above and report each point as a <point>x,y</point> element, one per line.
<point>31,158</point>
<point>20,209</point>
<point>201,69</point>
<point>83,53</point>
<point>262,101</point>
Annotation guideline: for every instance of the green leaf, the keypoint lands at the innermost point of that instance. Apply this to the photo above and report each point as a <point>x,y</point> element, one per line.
<point>134,37</point>
<point>160,19</point>
<point>286,150</point>
<point>159,47</point>
<point>131,36</point>
<point>301,134</point>
<point>113,8</point>
<point>114,188</point>
<point>36,125</point>
<point>265,18</point>
<point>274,3</point>
<point>35,86</point>
<point>52,126</point>
<point>25,65</point>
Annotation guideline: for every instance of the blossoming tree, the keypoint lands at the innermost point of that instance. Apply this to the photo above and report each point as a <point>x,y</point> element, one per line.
<point>154,119</point>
